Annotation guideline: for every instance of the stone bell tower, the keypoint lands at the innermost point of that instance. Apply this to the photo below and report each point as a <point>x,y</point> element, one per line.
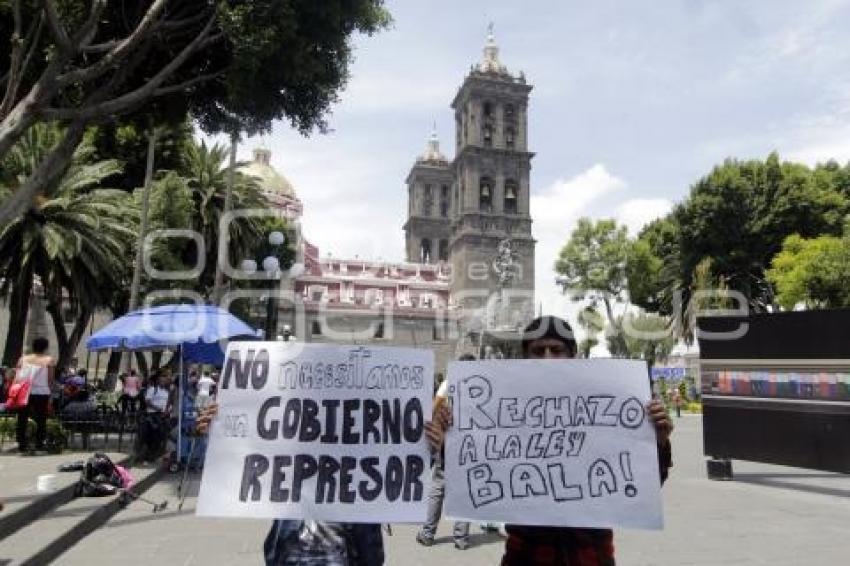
<point>491,188</point>
<point>429,207</point>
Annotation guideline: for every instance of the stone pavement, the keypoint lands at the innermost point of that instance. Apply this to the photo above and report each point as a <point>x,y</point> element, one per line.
<point>769,515</point>
<point>19,475</point>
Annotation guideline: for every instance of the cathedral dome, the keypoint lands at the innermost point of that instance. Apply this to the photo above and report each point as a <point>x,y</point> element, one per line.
<point>269,179</point>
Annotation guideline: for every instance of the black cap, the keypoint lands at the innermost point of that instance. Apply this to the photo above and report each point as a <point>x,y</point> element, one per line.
<point>549,327</point>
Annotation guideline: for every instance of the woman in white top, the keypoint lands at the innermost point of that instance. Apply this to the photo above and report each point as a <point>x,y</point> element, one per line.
<point>41,368</point>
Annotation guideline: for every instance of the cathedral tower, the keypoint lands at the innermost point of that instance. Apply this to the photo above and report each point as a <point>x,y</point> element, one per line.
<point>429,209</point>
<point>491,187</point>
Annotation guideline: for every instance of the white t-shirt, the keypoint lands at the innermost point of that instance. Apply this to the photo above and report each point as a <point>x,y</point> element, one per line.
<point>205,385</point>
<point>443,389</point>
<point>156,399</point>
<point>38,374</point>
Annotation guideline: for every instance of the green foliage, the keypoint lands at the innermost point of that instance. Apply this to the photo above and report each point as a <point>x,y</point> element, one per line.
<point>206,173</point>
<point>55,441</point>
<point>592,262</point>
<point>643,336</point>
<point>266,59</point>
<point>653,264</point>
<point>740,214</point>
<point>592,323</point>
<point>75,239</point>
<point>814,272</point>
<point>127,142</point>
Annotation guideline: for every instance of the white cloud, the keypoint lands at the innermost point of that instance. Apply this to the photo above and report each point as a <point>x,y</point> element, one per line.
<point>638,212</point>
<point>555,211</point>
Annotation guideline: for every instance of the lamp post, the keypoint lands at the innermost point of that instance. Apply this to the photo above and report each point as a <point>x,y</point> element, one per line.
<point>271,266</point>
<point>271,269</point>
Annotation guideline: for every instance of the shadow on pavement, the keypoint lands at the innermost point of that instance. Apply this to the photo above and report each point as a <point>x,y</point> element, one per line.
<point>476,539</point>
<point>770,480</point>
<point>150,517</point>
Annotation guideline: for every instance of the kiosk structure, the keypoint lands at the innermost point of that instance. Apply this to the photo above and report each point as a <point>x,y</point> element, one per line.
<point>778,393</point>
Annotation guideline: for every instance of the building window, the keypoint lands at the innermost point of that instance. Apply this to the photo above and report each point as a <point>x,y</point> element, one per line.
<point>487,125</point>
<point>485,199</point>
<point>427,201</point>
<point>403,297</point>
<point>444,201</point>
<point>425,251</point>
<point>316,328</point>
<point>511,197</point>
<point>444,250</point>
<point>487,135</point>
<point>317,293</point>
<point>509,137</point>
<point>510,114</point>
<point>374,297</point>
<point>426,301</point>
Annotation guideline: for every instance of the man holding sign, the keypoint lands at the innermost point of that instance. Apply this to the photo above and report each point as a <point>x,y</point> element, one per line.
<point>559,450</point>
<point>328,436</point>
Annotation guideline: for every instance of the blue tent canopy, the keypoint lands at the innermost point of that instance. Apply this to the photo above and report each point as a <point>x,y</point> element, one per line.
<point>170,326</point>
<point>196,330</point>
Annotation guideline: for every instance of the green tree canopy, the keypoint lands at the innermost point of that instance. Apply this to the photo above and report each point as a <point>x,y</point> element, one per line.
<point>592,264</point>
<point>231,64</point>
<point>813,272</point>
<point>740,214</point>
<point>74,241</point>
<point>644,336</point>
<point>653,265</point>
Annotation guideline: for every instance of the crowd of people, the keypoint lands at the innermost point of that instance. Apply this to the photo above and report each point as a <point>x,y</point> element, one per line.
<point>147,401</point>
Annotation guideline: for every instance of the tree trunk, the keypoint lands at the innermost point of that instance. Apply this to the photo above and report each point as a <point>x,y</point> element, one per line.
<point>143,230</point>
<point>67,343</point>
<point>54,308</point>
<point>156,360</point>
<point>114,363</point>
<point>142,363</point>
<point>19,303</point>
<point>218,284</point>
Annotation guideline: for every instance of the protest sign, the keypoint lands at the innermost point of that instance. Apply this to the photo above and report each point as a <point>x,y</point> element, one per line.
<point>322,432</point>
<point>552,442</point>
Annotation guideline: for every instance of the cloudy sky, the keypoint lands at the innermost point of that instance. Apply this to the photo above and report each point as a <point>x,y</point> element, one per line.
<point>633,101</point>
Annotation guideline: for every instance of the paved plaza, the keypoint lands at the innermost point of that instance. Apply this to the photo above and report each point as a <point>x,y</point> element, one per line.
<point>768,515</point>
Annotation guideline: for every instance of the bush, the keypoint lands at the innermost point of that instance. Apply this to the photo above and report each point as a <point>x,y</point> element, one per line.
<point>55,440</point>
<point>693,407</point>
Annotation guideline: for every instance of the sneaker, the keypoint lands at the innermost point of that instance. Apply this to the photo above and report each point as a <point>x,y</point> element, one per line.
<point>461,544</point>
<point>423,539</point>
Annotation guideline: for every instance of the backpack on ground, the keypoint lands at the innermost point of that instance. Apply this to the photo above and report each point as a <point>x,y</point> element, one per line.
<point>99,477</point>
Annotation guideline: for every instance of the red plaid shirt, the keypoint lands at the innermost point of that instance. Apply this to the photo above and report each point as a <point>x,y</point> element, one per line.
<point>565,546</point>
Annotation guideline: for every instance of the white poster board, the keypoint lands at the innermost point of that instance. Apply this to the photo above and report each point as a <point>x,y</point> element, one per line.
<point>552,442</point>
<point>322,432</point>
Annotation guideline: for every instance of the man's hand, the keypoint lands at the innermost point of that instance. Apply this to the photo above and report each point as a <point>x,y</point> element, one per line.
<point>436,430</point>
<point>661,420</point>
<point>205,417</point>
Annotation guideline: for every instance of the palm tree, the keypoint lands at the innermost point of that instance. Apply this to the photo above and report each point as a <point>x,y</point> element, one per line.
<point>74,240</point>
<point>206,172</point>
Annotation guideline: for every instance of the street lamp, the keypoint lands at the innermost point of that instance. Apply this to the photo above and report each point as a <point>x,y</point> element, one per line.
<point>271,266</point>
<point>272,273</point>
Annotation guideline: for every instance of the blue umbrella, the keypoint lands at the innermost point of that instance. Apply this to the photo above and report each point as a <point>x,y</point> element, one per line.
<point>194,329</point>
<point>168,326</point>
